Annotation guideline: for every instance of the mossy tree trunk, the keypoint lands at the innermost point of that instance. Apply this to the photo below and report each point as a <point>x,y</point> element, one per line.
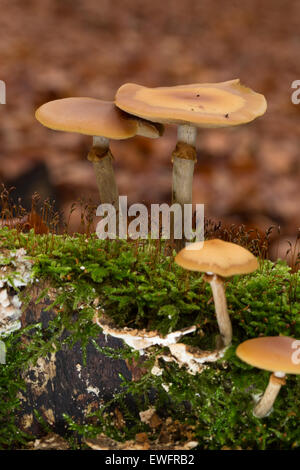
<point>62,384</point>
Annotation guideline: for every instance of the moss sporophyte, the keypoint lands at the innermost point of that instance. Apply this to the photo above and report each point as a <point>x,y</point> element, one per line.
<point>138,286</point>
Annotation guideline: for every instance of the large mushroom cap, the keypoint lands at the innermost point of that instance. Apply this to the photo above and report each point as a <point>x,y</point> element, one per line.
<point>272,353</point>
<point>94,117</point>
<point>218,257</point>
<point>203,105</point>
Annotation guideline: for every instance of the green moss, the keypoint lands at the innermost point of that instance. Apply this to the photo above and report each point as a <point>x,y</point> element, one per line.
<point>139,285</point>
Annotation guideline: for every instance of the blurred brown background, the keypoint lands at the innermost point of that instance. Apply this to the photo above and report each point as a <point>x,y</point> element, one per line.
<point>51,49</point>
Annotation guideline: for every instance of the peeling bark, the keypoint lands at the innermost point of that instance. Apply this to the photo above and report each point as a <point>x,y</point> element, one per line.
<point>140,339</point>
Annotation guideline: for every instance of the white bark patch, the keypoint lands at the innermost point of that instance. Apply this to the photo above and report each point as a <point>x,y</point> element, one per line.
<point>27,421</point>
<point>192,358</point>
<point>102,442</point>
<point>156,371</point>
<point>49,415</point>
<point>39,375</point>
<point>94,390</point>
<point>140,339</point>
<point>50,442</point>
<point>17,273</point>
<point>78,368</point>
<point>145,416</point>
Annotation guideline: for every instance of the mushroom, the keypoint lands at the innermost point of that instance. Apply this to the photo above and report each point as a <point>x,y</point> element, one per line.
<point>218,259</point>
<point>189,107</point>
<point>275,354</point>
<point>103,121</point>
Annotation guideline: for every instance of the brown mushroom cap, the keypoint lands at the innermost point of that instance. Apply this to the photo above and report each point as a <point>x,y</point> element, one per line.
<point>94,117</point>
<point>272,353</point>
<point>202,105</point>
<point>218,257</point>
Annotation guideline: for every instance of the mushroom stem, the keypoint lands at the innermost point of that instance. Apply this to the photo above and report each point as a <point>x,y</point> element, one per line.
<point>102,160</point>
<point>184,158</point>
<point>223,319</point>
<point>265,404</point>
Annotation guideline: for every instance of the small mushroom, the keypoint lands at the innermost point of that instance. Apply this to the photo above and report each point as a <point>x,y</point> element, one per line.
<point>218,259</point>
<point>103,121</point>
<point>275,354</point>
<point>189,107</point>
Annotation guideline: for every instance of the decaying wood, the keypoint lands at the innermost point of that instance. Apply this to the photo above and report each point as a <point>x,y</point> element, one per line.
<point>61,382</point>
<point>50,442</point>
<point>172,435</point>
<point>140,339</point>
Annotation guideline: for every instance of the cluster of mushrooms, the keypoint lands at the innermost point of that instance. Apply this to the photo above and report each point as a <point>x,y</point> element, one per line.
<point>139,110</point>
<point>218,260</point>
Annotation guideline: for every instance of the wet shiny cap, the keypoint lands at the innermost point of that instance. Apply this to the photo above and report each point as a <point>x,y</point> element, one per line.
<point>202,104</point>
<point>218,257</point>
<point>272,353</point>
<point>94,117</point>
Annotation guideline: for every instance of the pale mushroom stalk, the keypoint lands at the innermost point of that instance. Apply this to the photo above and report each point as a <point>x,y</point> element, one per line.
<point>102,159</point>
<point>183,165</point>
<point>264,406</point>
<point>183,158</point>
<point>223,319</point>
<point>204,105</point>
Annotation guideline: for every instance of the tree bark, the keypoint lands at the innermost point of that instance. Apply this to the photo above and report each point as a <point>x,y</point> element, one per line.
<point>61,383</point>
